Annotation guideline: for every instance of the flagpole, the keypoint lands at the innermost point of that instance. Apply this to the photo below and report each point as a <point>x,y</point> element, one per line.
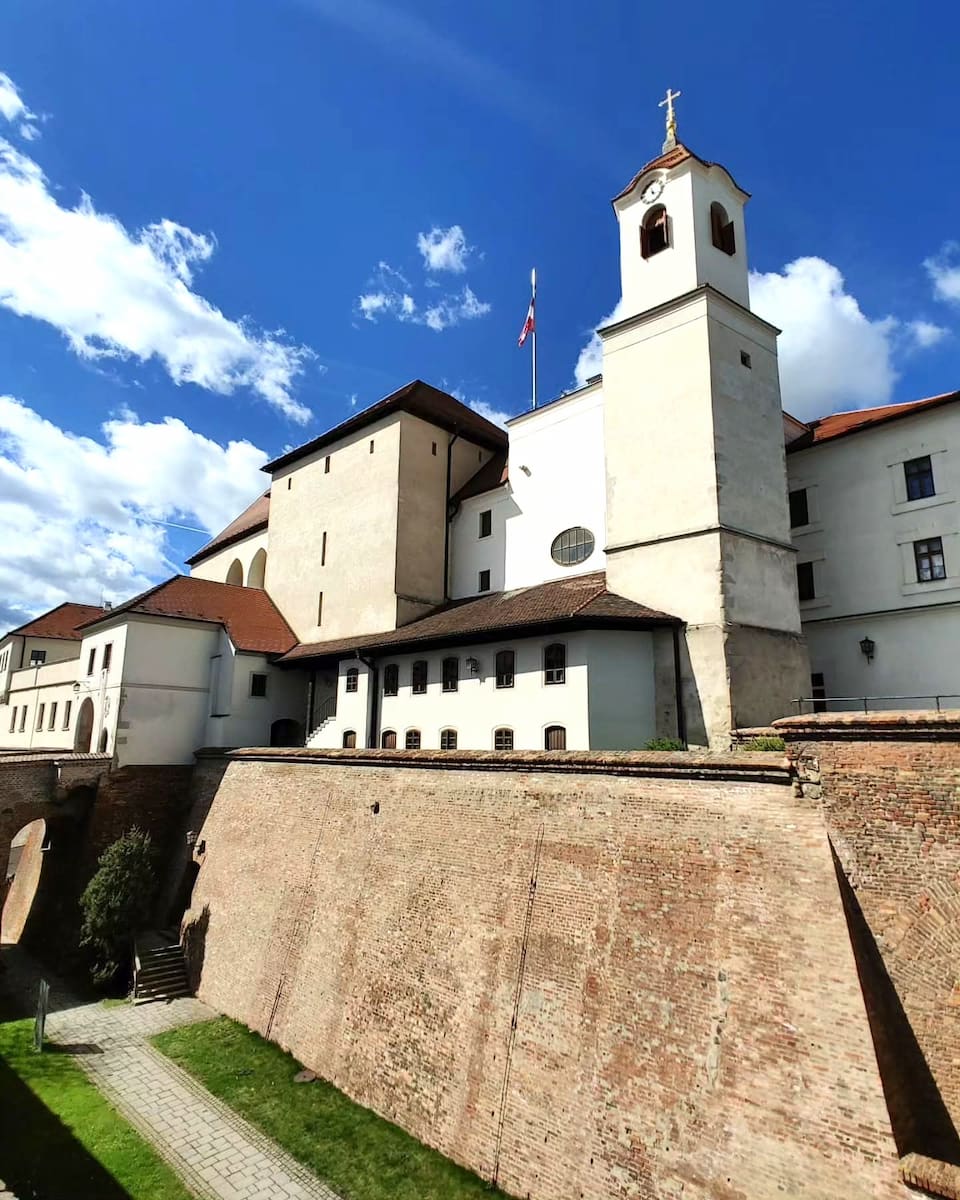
<point>533,333</point>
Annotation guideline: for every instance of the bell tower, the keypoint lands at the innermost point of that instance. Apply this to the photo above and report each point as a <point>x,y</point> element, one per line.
<point>697,516</point>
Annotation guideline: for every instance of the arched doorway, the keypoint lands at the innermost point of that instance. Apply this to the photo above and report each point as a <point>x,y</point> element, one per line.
<point>22,877</point>
<point>286,732</point>
<point>257,572</point>
<point>84,734</point>
<point>235,574</point>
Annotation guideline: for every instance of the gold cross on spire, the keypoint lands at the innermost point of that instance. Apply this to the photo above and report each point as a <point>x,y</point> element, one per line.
<point>671,118</point>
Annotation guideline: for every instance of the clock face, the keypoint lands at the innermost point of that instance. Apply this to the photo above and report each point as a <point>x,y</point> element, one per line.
<point>652,191</point>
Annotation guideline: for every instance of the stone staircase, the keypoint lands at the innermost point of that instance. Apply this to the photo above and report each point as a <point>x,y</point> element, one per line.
<point>159,969</point>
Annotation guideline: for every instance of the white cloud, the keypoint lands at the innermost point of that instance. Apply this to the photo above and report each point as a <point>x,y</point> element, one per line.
<point>79,514</point>
<point>451,310</point>
<point>944,271</point>
<point>117,294</point>
<point>590,360</point>
<point>390,296</point>
<point>444,249</point>
<point>13,109</point>
<point>497,416</point>
<point>925,334</point>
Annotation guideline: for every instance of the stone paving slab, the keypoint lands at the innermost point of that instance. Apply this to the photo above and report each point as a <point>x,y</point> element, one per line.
<point>217,1154</point>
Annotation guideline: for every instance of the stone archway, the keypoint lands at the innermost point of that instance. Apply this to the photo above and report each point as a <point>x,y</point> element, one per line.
<point>286,732</point>
<point>84,734</point>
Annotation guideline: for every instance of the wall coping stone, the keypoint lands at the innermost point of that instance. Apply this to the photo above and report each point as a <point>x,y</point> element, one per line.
<point>751,767</point>
<point>14,758</point>
<point>922,725</point>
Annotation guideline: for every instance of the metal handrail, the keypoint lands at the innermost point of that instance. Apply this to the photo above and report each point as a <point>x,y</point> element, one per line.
<point>800,701</point>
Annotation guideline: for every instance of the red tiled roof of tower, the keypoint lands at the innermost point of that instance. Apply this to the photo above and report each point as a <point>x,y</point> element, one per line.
<point>62,622</point>
<point>249,616</point>
<point>582,601</point>
<point>837,425</point>
<point>663,162</point>
<point>250,521</point>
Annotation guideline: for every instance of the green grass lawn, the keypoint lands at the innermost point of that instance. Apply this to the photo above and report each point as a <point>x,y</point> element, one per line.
<point>350,1148</point>
<point>60,1138</point>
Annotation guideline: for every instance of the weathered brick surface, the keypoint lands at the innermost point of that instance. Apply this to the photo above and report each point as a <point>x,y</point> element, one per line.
<point>688,1018</point>
<point>889,785</point>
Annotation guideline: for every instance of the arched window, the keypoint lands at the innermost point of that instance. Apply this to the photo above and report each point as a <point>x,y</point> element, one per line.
<point>655,232</point>
<point>412,739</point>
<point>505,667</point>
<point>349,739</point>
<point>451,674</point>
<point>448,739</point>
<point>555,738</point>
<point>555,663</point>
<point>721,229</point>
<point>353,678</point>
<point>235,574</point>
<point>257,571</point>
<point>391,679</point>
<point>503,739</point>
<point>388,739</point>
<point>418,677</point>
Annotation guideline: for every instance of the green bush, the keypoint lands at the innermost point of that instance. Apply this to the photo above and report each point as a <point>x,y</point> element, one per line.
<point>665,744</point>
<point>766,743</point>
<point>118,903</point>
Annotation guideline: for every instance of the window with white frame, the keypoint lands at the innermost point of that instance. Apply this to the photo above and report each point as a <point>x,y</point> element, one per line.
<point>555,663</point>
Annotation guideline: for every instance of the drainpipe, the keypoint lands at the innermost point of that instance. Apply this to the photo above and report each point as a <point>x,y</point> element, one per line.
<point>678,687</point>
<point>446,520</point>
<point>373,722</point>
<point>311,688</point>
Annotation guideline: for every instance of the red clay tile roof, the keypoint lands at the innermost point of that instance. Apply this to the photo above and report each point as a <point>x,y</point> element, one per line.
<point>62,622</point>
<point>838,425</point>
<point>581,602</point>
<point>250,521</point>
<point>249,616</point>
<point>418,398</point>
<point>663,162</point>
<point>493,474</point>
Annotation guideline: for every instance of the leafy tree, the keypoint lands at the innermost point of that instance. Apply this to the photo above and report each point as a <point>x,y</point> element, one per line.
<point>118,902</point>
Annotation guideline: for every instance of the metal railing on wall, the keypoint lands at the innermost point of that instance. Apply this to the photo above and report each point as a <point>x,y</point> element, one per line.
<point>815,704</point>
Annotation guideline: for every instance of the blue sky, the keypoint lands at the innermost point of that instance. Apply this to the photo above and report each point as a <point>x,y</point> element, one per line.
<point>248,167</point>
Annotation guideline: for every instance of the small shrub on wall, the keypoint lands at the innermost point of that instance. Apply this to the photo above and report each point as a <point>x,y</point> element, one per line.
<point>766,743</point>
<point>664,744</point>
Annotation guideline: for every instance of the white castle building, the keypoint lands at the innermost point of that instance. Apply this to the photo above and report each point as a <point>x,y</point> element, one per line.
<point>628,562</point>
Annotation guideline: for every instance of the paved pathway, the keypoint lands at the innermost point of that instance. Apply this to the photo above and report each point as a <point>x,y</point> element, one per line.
<point>217,1154</point>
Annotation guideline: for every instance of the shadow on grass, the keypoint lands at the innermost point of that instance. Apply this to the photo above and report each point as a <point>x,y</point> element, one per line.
<point>41,1158</point>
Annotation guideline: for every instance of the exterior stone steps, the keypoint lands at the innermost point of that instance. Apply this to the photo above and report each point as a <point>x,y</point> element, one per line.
<point>160,972</point>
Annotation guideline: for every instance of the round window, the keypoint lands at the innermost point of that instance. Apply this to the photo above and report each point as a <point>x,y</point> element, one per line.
<point>572,546</point>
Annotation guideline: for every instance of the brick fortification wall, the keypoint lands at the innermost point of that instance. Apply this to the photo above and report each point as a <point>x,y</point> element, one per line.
<point>889,784</point>
<point>587,975</point>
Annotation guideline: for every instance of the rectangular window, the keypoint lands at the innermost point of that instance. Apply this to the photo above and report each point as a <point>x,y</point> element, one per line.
<point>91,660</point>
<point>818,692</point>
<point>433,449</point>
<point>555,663</point>
<point>371,445</point>
<point>13,719</point>
<point>38,658</point>
<point>805,585</point>
<point>391,679</point>
<point>326,465</point>
<point>486,522</point>
<point>484,582</point>
<point>799,509</point>
<point>40,711</point>
<point>412,740</point>
<point>418,677</point>
<point>451,674</point>
<point>448,739</point>
<point>504,667</point>
<point>745,360</point>
<point>503,739</point>
<point>353,679</point>
<point>53,715</point>
<point>918,473</point>
<point>107,656</point>
<point>289,482</point>
<point>320,609</point>
<point>929,559</point>
<point>258,685</point>
<point>323,549</point>
<point>66,714</point>
<point>23,718</point>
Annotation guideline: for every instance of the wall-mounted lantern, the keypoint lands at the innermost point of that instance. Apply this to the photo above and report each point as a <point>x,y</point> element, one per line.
<point>867,648</point>
<point>473,665</point>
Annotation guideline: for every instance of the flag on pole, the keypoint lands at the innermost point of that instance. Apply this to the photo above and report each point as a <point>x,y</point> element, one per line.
<point>529,325</point>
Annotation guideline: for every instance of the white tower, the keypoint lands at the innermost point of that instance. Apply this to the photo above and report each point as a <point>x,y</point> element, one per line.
<point>697,517</point>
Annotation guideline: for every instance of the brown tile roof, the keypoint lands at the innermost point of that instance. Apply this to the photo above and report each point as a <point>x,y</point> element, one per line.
<point>493,474</point>
<point>838,425</point>
<point>250,521</point>
<point>663,162</point>
<point>581,602</point>
<point>418,398</point>
<point>62,622</point>
<point>249,616</point>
